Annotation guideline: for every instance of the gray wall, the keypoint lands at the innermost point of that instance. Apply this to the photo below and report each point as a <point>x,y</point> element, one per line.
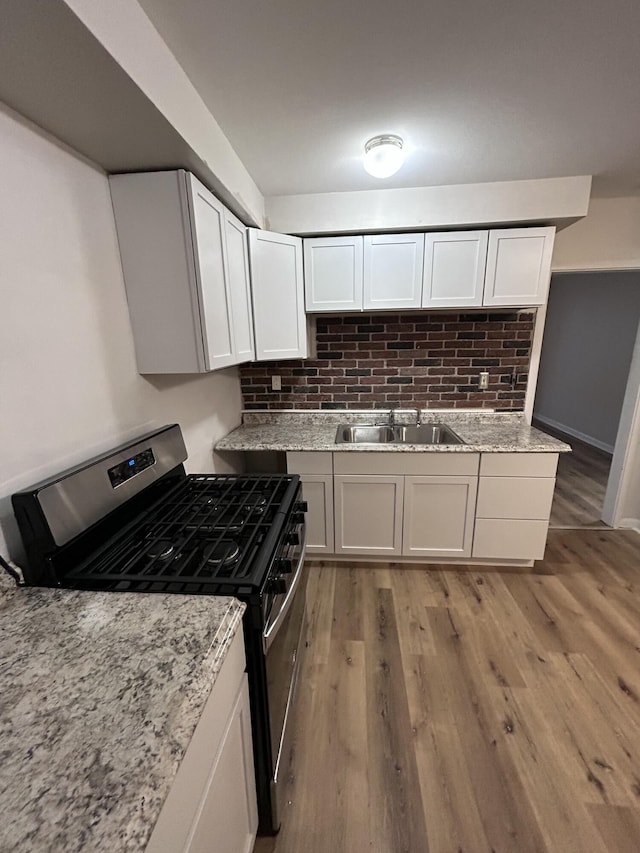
<point>591,327</point>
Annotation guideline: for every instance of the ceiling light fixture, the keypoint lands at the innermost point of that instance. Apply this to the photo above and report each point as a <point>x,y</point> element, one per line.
<point>383,155</point>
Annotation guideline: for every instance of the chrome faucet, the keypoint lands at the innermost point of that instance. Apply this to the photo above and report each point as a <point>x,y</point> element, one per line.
<point>393,410</point>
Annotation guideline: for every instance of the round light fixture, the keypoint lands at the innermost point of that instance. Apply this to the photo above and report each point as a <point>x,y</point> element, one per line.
<point>383,155</point>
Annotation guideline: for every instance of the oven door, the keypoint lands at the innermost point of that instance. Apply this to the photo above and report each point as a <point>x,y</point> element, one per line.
<point>284,640</point>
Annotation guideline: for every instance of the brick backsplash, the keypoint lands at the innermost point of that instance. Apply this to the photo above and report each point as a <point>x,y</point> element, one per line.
<point>428,359</point>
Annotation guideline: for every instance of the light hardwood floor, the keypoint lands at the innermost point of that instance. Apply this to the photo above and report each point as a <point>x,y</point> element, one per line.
<point>581,484</point>
<point>580,487</point>
<point>453,710</point>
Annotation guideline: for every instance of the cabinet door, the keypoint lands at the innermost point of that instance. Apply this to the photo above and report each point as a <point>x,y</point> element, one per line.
<point>438,516</point>
<point>333,273</point>
<point>240,288</point>
<point>454,267</point>
<point>368,514</point>
<point>211,804</point>
<point>518,266</point>
<point>393,271</point>
<point>317,490</point>
<point>227,818</point>
<point>278,295</point>
<point>207,217</point>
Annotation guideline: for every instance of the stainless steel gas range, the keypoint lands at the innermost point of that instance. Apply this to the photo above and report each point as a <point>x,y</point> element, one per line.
<point>132,520</point>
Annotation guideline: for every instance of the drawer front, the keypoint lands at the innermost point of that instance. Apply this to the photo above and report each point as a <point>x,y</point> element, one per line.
<point>398,463</point>
<point>309,462</point>
<point>515,497</point>
<point>518,464</point>
<point>509,539</point>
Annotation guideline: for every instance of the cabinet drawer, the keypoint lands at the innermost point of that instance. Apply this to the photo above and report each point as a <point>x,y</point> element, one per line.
<point>515,497</point>
<point>518,464</point>
<point>309,462</point>
<point>513,539</point>
<point>424,464</point>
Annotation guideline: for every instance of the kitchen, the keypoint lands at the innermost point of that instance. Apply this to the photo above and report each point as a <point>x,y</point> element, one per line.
<point>74,359</point>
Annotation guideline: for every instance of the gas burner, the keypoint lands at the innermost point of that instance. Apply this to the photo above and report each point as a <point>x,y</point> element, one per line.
<point>161,549</point>
<point>223,553</point>
<point>254,503</point>
<point>208,502</point>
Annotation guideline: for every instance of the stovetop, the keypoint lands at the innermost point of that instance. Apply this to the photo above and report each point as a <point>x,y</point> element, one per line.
<point>210,534</point>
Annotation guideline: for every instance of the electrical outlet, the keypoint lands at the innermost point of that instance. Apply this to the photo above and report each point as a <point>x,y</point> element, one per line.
<point>276,383</point>
<point>484,380</point>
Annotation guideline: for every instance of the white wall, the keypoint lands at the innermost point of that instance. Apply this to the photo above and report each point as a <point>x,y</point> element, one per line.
<point>592,320</point>
<point>68,381</point>
<point>608,238</point>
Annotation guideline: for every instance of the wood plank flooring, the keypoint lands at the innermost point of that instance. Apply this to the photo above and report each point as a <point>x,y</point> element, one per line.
<point>453,710</point>
<point>581,484</point>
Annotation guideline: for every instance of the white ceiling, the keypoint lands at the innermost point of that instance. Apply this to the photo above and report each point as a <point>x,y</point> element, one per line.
<point>481,90</point>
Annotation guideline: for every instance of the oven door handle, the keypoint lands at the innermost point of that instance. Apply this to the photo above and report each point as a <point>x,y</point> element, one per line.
<point>271,629</point>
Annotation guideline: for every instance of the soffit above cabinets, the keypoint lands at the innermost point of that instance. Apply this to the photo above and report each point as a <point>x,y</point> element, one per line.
<point>55,72</point>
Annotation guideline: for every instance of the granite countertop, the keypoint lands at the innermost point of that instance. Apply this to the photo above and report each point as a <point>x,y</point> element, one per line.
<point>100,694</point>
<point>481,432</point>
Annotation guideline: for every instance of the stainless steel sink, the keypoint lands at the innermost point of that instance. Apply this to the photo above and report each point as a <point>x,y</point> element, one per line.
<point>426,434</point>
<point>364,434</point>
<point>399,434</point>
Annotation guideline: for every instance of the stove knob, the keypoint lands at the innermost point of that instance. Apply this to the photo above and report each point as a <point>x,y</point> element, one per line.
<point>292,539</point>
<point>298,518</point>
<point>284,567</point>
<point>277,586</point>
<point>301,506</point>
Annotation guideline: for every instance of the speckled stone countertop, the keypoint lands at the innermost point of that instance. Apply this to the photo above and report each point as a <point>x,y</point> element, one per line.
<point>100,694</point>
<point>482,433</point>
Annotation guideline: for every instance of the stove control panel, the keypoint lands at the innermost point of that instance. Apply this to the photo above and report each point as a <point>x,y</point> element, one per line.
<point>119,474</point>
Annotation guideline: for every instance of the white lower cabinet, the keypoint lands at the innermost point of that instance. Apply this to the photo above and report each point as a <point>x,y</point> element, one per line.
<point>211,807</point>
<point>368,514</point>
<point>317,491</point>
<point>316,475</point>
<point>438,516</point>
<point>515,493</point>
<point>489,506</point>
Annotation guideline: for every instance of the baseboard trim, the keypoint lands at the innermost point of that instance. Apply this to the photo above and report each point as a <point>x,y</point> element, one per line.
<point>629,524</point>
<point>426,562</point>
<point>574,433</point>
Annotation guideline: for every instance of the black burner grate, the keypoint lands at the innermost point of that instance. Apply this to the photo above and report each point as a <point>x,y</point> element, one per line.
<point>211,530</point>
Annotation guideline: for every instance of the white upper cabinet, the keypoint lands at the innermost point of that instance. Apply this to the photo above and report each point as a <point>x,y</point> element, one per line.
<point>393,271</point>
<point>212,277</point>
<point>240,287</point>
<point>518,266</point>
<point>454,267</point>
<point>333,273</point>
<point>185,267</point>
<point>278,295</point>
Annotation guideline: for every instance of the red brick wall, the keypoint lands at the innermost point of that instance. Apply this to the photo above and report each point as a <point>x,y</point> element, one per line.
<point>425,359</point>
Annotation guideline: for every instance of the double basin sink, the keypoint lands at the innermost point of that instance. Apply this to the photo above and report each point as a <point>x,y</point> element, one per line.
<point>397,434</point>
